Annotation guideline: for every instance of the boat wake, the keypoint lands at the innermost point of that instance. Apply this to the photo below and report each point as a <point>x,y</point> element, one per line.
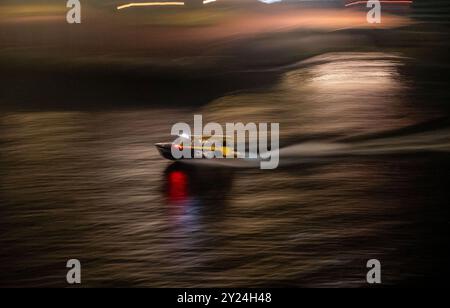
<point>407,141</point>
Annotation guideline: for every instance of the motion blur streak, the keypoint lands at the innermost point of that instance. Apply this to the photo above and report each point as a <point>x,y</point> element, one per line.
<point>221,226</point>
<point>364,135</point>
<point>382,2</point>
<point>125,6</point>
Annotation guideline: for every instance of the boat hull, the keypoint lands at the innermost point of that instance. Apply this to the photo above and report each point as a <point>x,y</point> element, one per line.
<point>165,150</point>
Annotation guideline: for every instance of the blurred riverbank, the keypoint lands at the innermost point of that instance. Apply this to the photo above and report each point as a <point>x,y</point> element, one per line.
<point>139,57</point>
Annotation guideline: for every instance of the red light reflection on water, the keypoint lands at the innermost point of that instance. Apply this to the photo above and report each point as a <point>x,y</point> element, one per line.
<point>178,187</point>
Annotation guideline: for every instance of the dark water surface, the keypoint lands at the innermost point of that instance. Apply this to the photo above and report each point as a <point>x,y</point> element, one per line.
<point>90,185</point>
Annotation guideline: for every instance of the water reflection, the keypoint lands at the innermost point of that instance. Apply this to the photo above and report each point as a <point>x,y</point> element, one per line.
<point>194,191</point>
<point>177,191</point>
<point>332,95</point>
<point>91,185</point>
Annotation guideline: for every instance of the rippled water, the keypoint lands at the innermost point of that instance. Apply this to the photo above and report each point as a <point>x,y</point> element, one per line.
<point>362,175</point>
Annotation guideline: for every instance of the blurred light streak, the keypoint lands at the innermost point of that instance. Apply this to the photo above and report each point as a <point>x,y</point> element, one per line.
<point>382,2</point>
<point>125,6</point>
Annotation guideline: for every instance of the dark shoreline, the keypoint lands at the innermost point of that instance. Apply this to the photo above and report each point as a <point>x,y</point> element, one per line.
<point>43,85</point>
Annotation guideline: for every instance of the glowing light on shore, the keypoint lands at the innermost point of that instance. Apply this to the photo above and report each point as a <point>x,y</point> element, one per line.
<point>382,2</point>
<point>141,4</point>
